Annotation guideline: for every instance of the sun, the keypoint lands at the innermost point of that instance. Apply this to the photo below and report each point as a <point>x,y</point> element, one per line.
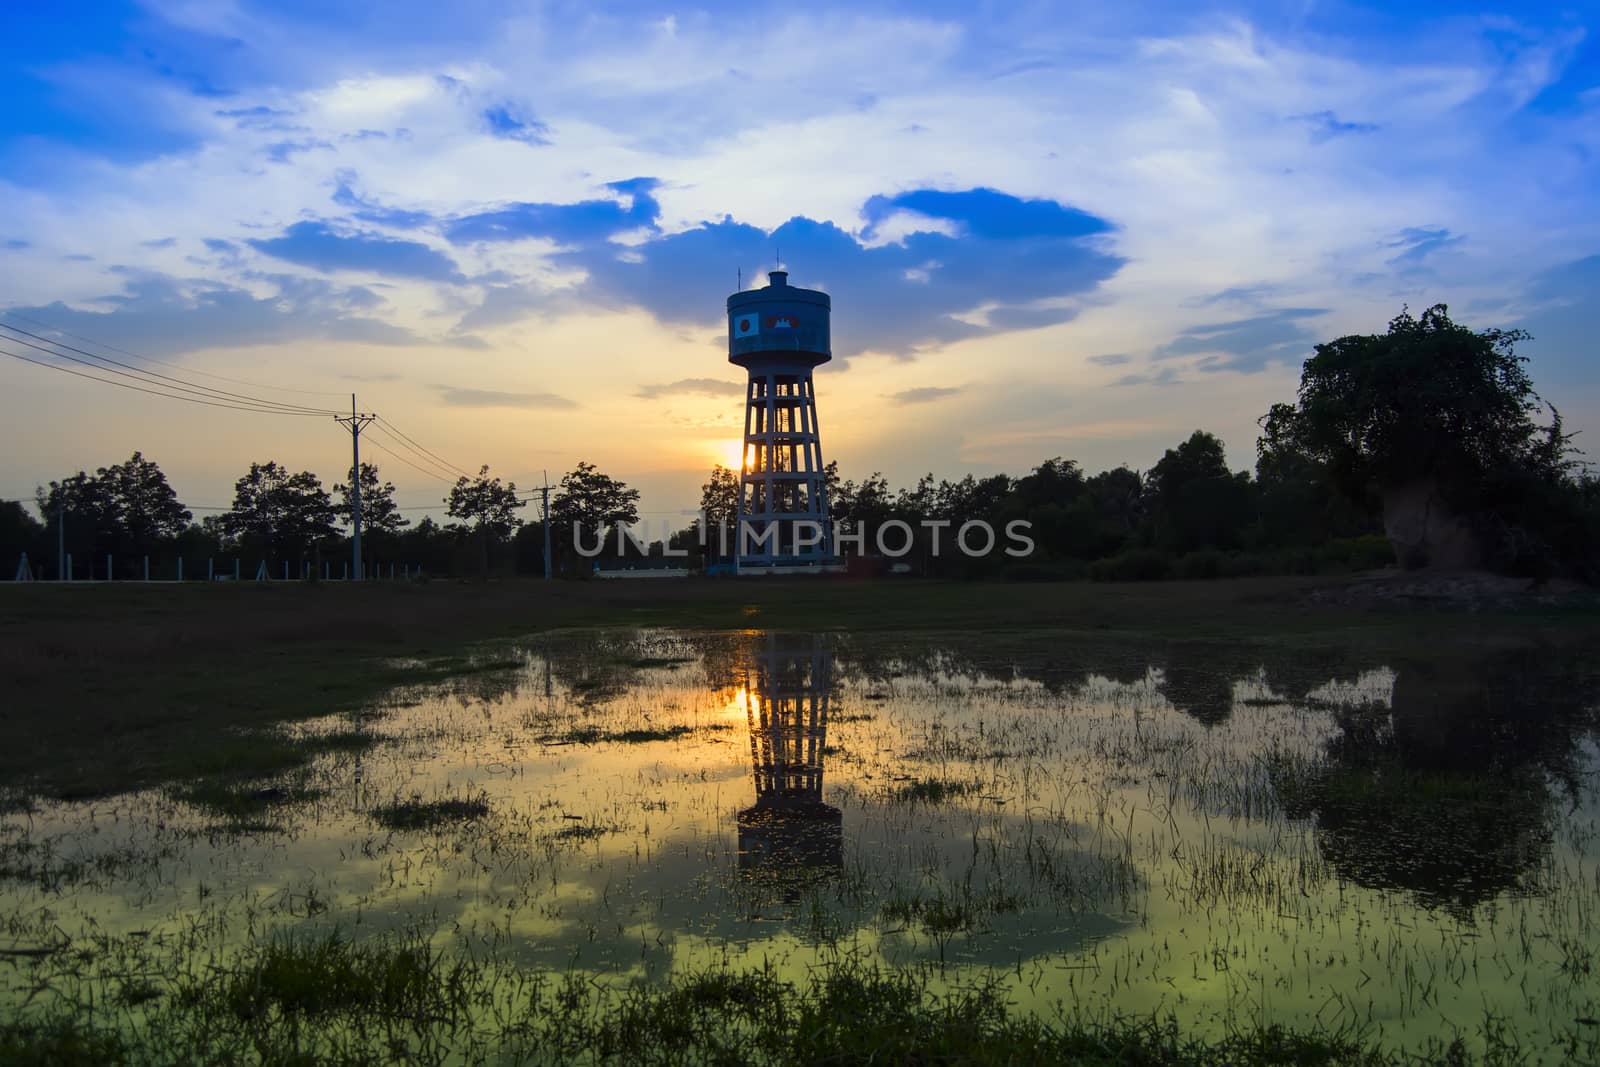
<point>732,455</point>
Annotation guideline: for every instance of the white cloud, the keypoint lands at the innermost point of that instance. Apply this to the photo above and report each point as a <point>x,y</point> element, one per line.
<point>1188,141</point>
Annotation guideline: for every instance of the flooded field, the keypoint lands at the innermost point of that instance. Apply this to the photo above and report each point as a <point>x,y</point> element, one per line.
<point>1405,852</point>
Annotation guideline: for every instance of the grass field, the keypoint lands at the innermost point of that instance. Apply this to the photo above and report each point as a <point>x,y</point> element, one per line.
<point>113,687</point>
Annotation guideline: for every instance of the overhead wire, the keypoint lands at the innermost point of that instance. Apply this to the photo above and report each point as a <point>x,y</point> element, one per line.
<point>419,459</point>
<point>392,428</point>
<point>413,466</point>
<point>162,362</point>
<point>167,381</point>
<point>155,392</point>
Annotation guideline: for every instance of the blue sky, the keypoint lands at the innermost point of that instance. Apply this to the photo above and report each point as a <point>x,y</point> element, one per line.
<point>511,227</point>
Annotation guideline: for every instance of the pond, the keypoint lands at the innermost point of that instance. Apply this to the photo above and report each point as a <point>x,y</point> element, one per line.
<point>1229,838</point>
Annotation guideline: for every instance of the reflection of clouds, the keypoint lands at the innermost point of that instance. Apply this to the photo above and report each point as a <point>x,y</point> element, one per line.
<point>1374,687</point>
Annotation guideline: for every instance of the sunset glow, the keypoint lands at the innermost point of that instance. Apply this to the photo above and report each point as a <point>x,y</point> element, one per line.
<point>511,239</point>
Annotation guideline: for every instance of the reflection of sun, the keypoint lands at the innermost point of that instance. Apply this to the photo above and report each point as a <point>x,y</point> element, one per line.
<point>739,706</point>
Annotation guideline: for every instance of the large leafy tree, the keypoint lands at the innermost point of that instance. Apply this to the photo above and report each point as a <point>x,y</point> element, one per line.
<point>379,513</point>
<point>1439,421</point>
<point>20,532</point>
<point>287,516</point>
<point>486,510</point>
<point>146,508</point>
<point>126,509</point>
<point>1196,502</point>
<point>719,503</point>
<point>82,503</point>
<point>719,497</point>
<point>590,501</point>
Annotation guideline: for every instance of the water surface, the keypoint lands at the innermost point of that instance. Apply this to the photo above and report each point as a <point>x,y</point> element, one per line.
<point>1222,836</point>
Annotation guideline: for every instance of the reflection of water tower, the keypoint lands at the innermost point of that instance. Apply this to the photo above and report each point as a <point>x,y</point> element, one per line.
<point>789,831</point>
<point>780,334</point>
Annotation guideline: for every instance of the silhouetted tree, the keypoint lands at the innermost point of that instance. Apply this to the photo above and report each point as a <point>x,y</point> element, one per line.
<point>20,532</point>
<point>428,545</point>
<point>380,516</point>
<point>591,502</point>
<point>286,516</point>
<point>126,510</point>
<point>719,503</point>
<point>1438,421</point>
<point>487,510</point>
<point>1195,501</point>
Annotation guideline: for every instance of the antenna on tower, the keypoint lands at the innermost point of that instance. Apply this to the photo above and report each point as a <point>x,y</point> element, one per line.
<point>739,286</point>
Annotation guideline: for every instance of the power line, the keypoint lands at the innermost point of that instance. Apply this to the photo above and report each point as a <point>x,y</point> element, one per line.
<point>396,430</point>
<point>144,376</point>
<point>164,363</point>
<point>153,392</point>
<point>422,457</point>
<point>413,466</point>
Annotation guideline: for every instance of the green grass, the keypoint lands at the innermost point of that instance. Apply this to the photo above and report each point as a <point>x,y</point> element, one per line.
<point>326,1000</point>
<point>318,979</point>
<point>934,790</point>
<point>242,802</point>
<point>418,814</point>
<point>594,735</point>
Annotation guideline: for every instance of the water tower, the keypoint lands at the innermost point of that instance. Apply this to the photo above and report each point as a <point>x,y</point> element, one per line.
<point>779,334</point>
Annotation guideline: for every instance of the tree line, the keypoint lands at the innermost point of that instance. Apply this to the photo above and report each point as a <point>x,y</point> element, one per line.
<point>128,512</point>
<point>1422,446</point>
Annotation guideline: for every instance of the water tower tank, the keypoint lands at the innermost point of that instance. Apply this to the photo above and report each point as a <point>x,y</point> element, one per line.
<point>781,323</point>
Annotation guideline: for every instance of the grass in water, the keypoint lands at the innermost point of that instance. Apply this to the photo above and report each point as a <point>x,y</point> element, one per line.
<point>418,814</point>
<point>934,790</point>
<point>242,804</point>
<point>594,735</point>
<point>328,1000</point>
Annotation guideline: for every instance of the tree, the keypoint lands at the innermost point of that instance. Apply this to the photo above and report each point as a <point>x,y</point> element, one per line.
<point>146,508</point>
<point>1055,481</point>
<point>487,509</point>
<point>428,545</point>
<point>82,502</point>
<point>126,509</point>
<point>589,502</point>
<point>719,497</point>
<point>1438,422</point>
<point>719,503</point>
<point>1201,456</point>
<point>286,516</point>
<point>21,533</point>
<point>1196,502</point>
<point>379,513</point>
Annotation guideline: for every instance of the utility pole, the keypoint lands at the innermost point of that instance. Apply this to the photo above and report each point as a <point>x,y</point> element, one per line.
<point>61,536</point>
<point>355,423</point>
<point>546,495</point>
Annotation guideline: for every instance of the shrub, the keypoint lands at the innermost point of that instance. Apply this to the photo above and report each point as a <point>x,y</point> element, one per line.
<point>1135,565</point>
